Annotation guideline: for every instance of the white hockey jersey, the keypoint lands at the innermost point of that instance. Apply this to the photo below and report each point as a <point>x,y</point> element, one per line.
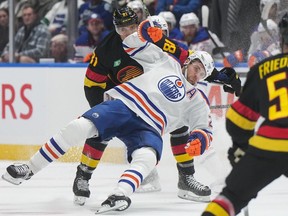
<point>161,96</point>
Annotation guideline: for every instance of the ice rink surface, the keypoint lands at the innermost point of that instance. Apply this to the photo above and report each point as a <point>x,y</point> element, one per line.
<point>49,192</point>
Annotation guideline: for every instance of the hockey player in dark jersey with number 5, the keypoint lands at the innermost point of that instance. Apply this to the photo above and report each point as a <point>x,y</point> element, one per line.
<point>257,158</point>
<point>110,66</point>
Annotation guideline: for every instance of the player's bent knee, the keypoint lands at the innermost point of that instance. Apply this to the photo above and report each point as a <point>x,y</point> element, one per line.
<point>145,157</point>
<point>77,131</point>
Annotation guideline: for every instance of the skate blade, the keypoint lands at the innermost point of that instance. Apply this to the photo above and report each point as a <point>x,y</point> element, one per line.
<point>187,195</point>
<point>7,177</point>
<point>119,206</point>
<point>79,200</point>
<point>148,189</point>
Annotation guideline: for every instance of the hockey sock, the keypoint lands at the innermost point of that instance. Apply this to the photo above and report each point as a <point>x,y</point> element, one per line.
<point>73,134</point>
<point>143,161</point>
<point>178,141</point>
<point>92,153</point>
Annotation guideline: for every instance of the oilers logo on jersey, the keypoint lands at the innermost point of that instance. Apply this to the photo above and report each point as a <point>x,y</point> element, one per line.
<point>172,88</point>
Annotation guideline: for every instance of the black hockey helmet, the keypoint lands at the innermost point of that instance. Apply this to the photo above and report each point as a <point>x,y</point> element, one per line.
<point>124,16</point>
<point>283,28</point>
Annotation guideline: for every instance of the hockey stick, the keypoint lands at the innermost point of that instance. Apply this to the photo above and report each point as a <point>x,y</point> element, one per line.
<point>145,9</point>
<point>148,15</point>
<point>224,106</point>
<point>205,16</point>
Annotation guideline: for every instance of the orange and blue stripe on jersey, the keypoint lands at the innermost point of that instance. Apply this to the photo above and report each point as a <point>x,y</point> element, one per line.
<point>144,104</point>
<point>132,51</point>
<point>51,151</point>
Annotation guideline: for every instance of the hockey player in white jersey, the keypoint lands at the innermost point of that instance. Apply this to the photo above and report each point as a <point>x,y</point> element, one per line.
<point>138,112</point>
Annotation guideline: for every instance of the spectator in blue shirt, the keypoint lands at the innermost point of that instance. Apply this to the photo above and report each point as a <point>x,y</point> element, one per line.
<point>91,38</point>
<point>178,8</point>
<point>103,8</point>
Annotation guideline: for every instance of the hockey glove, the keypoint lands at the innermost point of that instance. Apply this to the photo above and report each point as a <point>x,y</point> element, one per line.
<point>198,141</point>
<point>235,153</point>
<point>149,33</point>
<point>233,59</point>
<point>229,76</point>
<point>226,76</point>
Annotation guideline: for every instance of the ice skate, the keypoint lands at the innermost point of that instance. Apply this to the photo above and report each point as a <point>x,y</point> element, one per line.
<point>150,184</point>
<point>114,203</point>
<point>16,174</point>
<point>191,189</point>
<point>81,186</point>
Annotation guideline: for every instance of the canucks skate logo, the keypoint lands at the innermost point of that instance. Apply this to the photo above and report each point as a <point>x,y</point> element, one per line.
<point>172,88</point>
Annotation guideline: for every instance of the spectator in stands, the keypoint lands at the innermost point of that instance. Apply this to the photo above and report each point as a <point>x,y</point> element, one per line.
<point>264,42</point>
<point>197,37</point>
<point>56,18</point>
<point>174,31</point>
<point>41,6</point>
<point>269,9</point>
<point>59,48</point>
<point>137,7</point>
<point>101,7</point>
<point>4,28</point>
<point>90,39</point>
<point>31,41</point>
<point>178,8</point>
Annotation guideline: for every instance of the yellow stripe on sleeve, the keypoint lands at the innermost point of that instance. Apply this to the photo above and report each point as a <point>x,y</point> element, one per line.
<point>90,83</point>
<point>240,121</point>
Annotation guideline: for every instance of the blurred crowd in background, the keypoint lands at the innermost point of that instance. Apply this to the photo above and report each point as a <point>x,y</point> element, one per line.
<point>233,31</point>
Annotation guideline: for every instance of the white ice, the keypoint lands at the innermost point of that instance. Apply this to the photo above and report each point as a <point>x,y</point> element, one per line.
<point>50,191</point>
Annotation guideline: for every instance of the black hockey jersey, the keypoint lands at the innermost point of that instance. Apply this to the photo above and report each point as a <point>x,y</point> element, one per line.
<point>265,94</point>
<point>109,66</point>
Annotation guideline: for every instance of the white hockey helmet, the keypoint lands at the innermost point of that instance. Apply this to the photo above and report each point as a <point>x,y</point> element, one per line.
<point>136,6</point>
<point>161,22</point>
<point>169,17</point>
<point>205,58</point>
<point>189,19</point>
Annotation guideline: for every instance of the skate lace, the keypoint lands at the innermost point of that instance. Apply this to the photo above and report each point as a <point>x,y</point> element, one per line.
<point>22,170</point>
<point>82,184</point>
<point>193,183</point>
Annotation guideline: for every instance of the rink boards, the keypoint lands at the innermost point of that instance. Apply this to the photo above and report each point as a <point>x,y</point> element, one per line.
<point>37,100</point>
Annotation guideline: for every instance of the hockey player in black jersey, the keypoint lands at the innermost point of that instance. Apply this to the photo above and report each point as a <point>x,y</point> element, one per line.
<point>258,157</point>
<point>110,66</point>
